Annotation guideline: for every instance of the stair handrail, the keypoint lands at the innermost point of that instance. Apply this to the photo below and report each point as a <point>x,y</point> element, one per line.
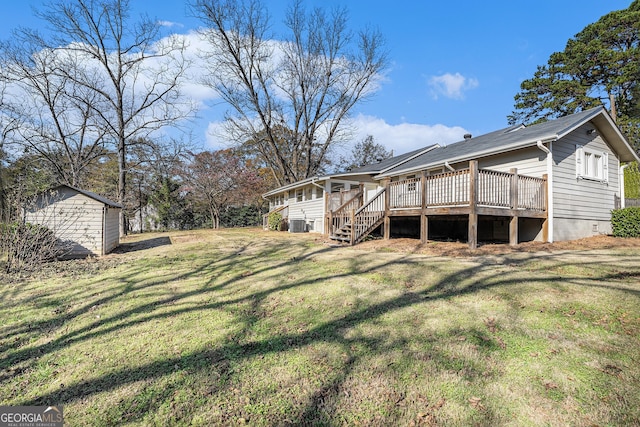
<point>265,217</point>
<point>370,202</point>
<point>364,222</point>
<point>338,217</point>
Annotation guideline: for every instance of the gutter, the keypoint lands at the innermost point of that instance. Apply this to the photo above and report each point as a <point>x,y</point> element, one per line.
<point>549,154</point>
<point>466,157</point>
<point>448,166</point>
<point>313,182</point>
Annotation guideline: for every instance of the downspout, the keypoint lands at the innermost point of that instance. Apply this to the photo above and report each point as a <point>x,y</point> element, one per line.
<point>448,166</point>
<point>324,203</point>
<point>621,179</point>
<point>313,181</point>
<point>549,186</point>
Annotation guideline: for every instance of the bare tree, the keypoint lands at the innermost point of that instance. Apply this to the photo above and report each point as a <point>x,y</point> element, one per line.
<point>289,98</point>
<point>139,72</point>
<point>50,113</point>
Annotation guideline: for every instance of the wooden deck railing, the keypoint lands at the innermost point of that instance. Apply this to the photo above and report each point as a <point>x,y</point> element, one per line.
<point>283,210</point>
<point>495,189</point>
<point>340,216</point>
<point>448,189</point>
<point>340,198</point>
<point>532,193</point>
<point>405,194</point>
<point>367,217</point>
<point>474,188</point>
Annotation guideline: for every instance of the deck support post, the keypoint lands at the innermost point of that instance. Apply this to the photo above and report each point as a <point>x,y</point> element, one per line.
<point>328,221</point>
<point>387,219</point>
<point>473,204</point>
<point>352,238</point>
<point>513,197</point>
<point>424,219</point>
<point>424,228</point>
<point>545,224</point>
<point>513,231</point>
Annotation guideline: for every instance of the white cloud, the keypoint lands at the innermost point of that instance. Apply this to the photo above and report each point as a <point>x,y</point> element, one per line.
<point>215,136</point>
<point>400,138</point>
<point>170,24</point>
<point>405,137</point>
<point>451,85</point>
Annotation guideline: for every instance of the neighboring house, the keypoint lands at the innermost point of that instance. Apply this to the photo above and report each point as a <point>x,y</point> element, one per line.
<point>557,180</point>
<point>144,219</point>
<point>85,220</point>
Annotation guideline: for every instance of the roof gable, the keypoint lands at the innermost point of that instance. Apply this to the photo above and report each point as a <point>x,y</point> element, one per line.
<point>91,195</point>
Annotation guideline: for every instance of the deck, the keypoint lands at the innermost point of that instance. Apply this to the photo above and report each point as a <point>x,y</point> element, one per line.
<point>470,192</point>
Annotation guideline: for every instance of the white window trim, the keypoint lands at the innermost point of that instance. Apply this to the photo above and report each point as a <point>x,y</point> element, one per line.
<point>583,156</point>
<point>411,187</point>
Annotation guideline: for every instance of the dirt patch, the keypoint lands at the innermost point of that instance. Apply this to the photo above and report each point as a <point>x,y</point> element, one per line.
<point>461,249</point>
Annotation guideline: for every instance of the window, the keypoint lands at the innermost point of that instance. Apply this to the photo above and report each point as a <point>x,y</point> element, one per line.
<point>336,187</point>
<point>299,194</point>
<point>412,185</point>
<point>591,164</point>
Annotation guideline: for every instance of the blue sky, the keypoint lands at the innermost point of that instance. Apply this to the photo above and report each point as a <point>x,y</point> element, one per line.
<point>455,66</point>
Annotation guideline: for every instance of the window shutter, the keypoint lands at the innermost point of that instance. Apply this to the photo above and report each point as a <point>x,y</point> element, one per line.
<point>579,161</point>
<point>605,167</point>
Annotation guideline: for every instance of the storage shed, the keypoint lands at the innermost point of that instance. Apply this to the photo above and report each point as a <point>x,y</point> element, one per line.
<point>85,220</point>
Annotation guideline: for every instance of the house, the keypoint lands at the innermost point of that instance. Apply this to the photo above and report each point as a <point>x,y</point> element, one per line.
<point>85,220</point>
<point>557,180</point>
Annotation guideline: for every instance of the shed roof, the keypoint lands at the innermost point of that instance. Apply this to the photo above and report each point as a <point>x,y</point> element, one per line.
<point>91,195</point>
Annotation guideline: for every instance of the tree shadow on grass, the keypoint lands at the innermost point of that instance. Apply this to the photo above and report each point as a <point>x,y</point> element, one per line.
<point>240,346</point>
<point>236,351</point>
<point>142,245</point>
<point>212,270</point>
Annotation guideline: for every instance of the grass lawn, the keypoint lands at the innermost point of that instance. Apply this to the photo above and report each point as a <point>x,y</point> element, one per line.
<point>249,327</point>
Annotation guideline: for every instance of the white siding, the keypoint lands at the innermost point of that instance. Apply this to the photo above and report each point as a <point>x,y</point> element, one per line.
<point>73,217</point>
<point>530,161</point>
<point>78,220</point>
<point>370,190</point>
<point>583,199</point>
<point>312,211</point>
<point>111,229</point>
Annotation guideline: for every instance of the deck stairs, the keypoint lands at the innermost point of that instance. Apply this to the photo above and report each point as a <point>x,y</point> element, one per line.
<point>361,222</point>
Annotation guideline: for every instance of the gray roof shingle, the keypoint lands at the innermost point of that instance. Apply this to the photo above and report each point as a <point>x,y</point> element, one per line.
<point>500,141</point>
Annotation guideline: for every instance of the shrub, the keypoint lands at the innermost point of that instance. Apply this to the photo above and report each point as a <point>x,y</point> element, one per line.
<point>275,221</point>
<point>626,222</point>
<point>242,216</point>
<point>26,246</point>
<point>632,181</point>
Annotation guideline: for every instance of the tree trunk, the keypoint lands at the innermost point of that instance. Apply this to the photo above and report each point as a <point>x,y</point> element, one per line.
<point>122,180</point>
<point>612,105</point>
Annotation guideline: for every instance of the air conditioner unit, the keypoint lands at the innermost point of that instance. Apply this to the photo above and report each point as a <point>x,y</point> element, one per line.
<point>297,226</point>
